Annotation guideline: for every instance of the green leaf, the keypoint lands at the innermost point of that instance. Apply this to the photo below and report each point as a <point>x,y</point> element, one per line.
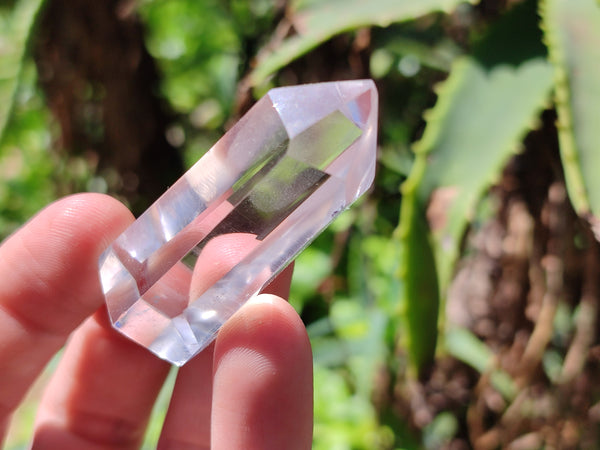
<point>468,348</point>
<point>14,35</point>
<point>572,29</point>
<point>311,268</point>
<point>489,102</point>
<point>197,50</point>
<point>420,296</point>
<point>317,22</point>
<point>441,430</point>
<point>343,419</point>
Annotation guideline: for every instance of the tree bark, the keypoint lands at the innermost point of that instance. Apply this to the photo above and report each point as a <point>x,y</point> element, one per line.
<point>100,84</point>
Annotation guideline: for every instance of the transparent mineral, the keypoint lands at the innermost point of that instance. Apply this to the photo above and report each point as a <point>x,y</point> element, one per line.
<point>265,190</point>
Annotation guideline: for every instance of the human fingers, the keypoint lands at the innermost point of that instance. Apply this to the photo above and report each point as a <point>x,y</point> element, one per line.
<point>50,284</point>
<point>187,424</point>
<point>102,393</point>
<point>108,402</point>
<point>262,387</point>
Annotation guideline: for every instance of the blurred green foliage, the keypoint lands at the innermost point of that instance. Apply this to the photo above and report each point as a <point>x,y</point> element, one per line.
<point>203,49</point>
<point>316,22</point>
<point>25,137</point>
<point>490,100</point>
<point>372,288</point>
<point>16,26</point>
<point>198,50</point>
<point>572,31</point>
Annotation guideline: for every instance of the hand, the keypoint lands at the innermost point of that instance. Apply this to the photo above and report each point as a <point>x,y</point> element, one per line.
<point>252,389</point>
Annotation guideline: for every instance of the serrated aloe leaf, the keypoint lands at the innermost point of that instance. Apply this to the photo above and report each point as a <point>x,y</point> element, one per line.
<point>572,29</point>
<point>485,107</point>
<point>14,34</point>
<point>316,22</point>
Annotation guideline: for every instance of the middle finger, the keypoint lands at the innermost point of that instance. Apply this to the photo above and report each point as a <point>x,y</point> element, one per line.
<point>102,393</point>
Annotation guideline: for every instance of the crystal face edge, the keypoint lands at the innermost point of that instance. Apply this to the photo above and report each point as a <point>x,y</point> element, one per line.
<point>298,158</point>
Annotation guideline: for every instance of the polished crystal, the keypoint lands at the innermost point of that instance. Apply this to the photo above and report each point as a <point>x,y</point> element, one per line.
<point>265,190</point>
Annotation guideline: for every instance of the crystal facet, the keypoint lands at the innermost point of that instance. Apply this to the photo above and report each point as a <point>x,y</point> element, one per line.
<point>265,190</point>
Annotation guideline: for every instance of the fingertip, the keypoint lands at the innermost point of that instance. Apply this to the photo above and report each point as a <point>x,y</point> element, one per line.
<point>53,261</point>
<point>51,283</point>
<point>268,299</point>
<point>278,309</point>
<point>80,225</point>
<point>95,219</point>
<point>266,320</point>
<point>280,285</point>
<point>262,395</point>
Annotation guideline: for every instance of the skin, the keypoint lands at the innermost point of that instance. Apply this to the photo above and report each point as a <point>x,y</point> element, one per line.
<point>251,389</point>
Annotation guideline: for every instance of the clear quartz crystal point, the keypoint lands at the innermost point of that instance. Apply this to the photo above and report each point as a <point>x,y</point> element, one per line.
<point>265,190</point>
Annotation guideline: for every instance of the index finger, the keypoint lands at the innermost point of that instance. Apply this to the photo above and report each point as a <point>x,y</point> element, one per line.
<point>49,284</point>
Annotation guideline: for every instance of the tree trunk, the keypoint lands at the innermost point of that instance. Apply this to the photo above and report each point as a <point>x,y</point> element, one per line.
<point>100,84</point>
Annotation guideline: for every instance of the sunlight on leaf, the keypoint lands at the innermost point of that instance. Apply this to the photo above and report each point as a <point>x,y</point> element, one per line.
<point>317,22</point>
<point>14,35</point>
<point>572,29</point>
<point>484,109</point>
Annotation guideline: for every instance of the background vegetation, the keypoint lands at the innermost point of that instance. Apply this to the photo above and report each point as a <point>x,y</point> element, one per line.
<point>457,305</point>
